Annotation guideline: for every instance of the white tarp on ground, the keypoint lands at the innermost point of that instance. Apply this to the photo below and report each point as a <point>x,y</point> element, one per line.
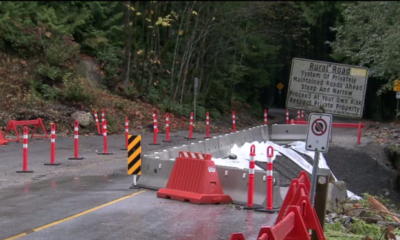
<point>243,157</point>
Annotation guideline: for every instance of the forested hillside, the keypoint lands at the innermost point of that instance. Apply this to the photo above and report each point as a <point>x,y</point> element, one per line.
<point>150,52</point>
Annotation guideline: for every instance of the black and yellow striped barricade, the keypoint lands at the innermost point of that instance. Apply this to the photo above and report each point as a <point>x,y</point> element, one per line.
<point>134,158</point>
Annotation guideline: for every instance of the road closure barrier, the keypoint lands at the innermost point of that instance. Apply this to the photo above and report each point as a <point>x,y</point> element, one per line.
<point>134,158</point>
<point>294,220</point>
<point>12,125</point>
<point>157,167</point>
<point>2,140</point>
<point>194,179</point>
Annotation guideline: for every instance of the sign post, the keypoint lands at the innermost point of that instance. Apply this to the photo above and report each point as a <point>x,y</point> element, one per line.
<point>196,86</point>
<point>396,88</point>
<point>318,135</point>
<point>280,86</point>
<point>327,87</point>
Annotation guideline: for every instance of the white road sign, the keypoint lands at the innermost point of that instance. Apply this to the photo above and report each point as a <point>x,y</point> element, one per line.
<point>319,132</point>
<point>334,88</point>
<point>398,95</point>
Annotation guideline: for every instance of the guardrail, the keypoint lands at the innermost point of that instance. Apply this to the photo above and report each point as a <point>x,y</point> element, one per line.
<point>359,126</point>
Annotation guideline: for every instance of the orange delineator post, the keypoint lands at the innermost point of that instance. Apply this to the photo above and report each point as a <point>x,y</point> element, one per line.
<point>195,180</point>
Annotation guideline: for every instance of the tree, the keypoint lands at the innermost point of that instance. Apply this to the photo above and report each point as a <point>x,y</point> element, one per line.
<point>369,37</point>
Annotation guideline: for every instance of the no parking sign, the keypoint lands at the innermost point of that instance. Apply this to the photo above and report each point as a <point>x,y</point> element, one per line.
<point>319,131</point>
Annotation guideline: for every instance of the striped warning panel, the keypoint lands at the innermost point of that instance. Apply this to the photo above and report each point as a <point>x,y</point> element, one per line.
<point>195,155</point>
<point>134,155</point>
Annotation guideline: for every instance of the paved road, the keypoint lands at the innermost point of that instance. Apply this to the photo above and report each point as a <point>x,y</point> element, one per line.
<point>44,204</point>
<point>36,205</point>
<point>102,207</point>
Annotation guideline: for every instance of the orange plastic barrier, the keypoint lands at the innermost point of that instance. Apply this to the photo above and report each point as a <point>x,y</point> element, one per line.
<point>12,125</point>
<point>293,189</point>
<point>194,179</point>
<point>2,140</point>
<point>296,217</point>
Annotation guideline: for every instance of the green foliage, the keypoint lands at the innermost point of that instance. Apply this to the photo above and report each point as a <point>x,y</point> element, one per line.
<point>214,114</point>
<point>238,50</point>
<point>368,37</point>
<point>75,91</point>
<point>51,72</point>
<point>111,123</point>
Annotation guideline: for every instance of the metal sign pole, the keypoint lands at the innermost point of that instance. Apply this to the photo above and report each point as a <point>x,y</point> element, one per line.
<point>314,176</point>
<point>397,109</point>
<point>196,84</point>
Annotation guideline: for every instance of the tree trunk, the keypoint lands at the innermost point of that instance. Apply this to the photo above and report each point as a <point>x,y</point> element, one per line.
<point>128,42</point>
<point>175,52</point>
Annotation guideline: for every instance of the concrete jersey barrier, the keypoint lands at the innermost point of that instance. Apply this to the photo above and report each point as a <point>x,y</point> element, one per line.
<point>288,132</point>
<point>157,167</point>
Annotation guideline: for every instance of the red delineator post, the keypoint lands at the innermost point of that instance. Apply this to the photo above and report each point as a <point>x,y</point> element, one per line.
<point>25,152</point>
<point>105,149</point>
<point>265,117</point>
<point>76,142</point>
<point>155,130</point>
<point>167,116</point>
<point>270,178</point>
<point>359,133</point>
<point>287,116</point>
<point>298,115</point>
<point>250,190</point>
<point>96,118</point>
<point>207,125</point>
<point>302,115</point>
<point>292,121</point>
<point>103,115</point>
<point>234,121</point>
<point>126,134</point>
<point>191,127</point>
<point>53,146</point>
<point>270,183</point>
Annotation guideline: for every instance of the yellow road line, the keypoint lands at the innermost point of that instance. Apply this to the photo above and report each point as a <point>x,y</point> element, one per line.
<point>73,216</point>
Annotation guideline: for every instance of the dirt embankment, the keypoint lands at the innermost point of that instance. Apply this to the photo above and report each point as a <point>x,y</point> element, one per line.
<point>21,101</point>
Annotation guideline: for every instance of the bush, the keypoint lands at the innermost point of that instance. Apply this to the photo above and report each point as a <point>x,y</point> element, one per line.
<point>75,91</point>
<point>51,72</point>
<point>200,113</point>
<point>153,97</point>
<point>45,91</point>
<point>60,53</point>
<point>215,114</point>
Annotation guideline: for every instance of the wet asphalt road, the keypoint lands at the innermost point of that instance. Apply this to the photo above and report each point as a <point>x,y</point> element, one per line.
<point>53,193</point>
<point>25,209</point>
<point>29,201</point>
